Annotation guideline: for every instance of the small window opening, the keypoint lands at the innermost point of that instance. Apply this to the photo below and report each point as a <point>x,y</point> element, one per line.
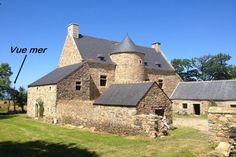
<point>185,105</point>
<point>140,61</point>
<point>50,88</point>
<point>103,80</point>
<point>145,63</point>
<point>160,83</point>
<point>233,105</point>
<point>159,112</point>
<point>78,85</point>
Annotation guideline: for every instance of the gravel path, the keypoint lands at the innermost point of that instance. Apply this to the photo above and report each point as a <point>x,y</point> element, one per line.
<point>200,124</point>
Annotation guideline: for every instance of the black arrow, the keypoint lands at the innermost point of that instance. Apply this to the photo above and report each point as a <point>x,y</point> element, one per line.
<point>20,68</point>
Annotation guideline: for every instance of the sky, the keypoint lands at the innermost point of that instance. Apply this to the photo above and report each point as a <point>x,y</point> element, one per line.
<point>185,28</point>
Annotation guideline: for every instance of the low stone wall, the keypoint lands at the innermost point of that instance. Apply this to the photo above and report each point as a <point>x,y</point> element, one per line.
<point>219,120</point>
<point>118,120</point>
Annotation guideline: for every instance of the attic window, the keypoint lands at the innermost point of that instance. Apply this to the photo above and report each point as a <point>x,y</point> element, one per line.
<point>101,57</point>
<point>145,63</point>
<point>158,64</point>
<point>160,83</point>
<point>103,80</point>
<point>78,85</point>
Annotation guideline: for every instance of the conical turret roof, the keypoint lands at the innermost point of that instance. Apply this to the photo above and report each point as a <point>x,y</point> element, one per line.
<point>126,45</point>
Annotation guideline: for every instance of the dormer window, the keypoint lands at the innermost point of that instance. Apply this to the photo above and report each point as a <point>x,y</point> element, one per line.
<point>101,57</point>
<point>158,64</point>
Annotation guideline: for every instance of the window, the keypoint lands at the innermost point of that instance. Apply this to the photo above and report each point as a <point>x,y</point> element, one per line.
<point>50,88</point>
<point>185,105</point>
<point>140,61</point>
<point>159,112</point>
<point>160,83</point>
<point>233,105</point>
<point>78,85</point>
<point>158,64</point>
<point>103,80</point>
<point>145,63</point>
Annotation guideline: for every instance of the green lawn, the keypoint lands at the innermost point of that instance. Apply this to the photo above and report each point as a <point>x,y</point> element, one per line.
<point>22,137</point>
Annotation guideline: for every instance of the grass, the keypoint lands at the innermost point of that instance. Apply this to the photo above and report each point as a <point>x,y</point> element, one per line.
<point>21,136</point>
<point>3,110</point>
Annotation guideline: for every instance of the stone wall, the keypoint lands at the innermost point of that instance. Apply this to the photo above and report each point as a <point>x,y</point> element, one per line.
<point>130,67</point>
<point>204,105</point>
<point>96,70</point>
<point>154,99</point>
<point>118,120</point>
<point>47,94</point>
<point>170,79</point>
<point>219,120</point>
<point>70,53</point>
<point>178,106</point>
<point>66,89</point>
<point>226,104</point>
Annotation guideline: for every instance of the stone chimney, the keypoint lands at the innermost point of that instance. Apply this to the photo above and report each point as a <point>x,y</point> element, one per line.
<point>156,46</point>
<point>73,30</point>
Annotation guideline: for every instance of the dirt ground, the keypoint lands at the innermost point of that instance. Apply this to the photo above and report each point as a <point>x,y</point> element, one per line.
<point>200,124</point>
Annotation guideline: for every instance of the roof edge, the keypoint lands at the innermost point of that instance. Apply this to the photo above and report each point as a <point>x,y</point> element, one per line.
<point>82,63</point>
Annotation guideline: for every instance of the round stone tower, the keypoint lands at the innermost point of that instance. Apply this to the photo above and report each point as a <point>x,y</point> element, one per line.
<point>129,62</point>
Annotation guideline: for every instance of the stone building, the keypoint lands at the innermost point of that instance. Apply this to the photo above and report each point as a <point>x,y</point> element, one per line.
<point>220,122</point>
<point>113,86</point>
<point>197,97</point>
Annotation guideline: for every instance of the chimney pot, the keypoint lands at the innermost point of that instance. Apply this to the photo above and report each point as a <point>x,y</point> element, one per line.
<point>73,30</point>
<point>156,46</point>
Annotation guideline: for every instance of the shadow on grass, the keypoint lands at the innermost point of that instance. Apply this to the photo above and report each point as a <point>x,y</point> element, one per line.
<point>42,149</point>
<point>11,114</point>
<point>6,116</point>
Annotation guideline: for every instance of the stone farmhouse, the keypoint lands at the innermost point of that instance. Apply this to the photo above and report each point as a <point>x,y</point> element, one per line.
<point>117,87</point>
<point>197,97</point>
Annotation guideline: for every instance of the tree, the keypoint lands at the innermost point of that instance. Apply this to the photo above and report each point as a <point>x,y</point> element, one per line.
<point>185,68</point>
<point>5,73</point>
<point>232,70</point>
<point>213,67</point>
<point>208,67</point>
<point>21,98</point>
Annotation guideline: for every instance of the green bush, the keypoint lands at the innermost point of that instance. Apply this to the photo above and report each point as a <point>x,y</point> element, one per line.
<point>212,103</point>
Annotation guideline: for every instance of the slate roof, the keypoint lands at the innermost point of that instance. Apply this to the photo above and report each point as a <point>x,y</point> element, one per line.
<point>56,75</point>
<point>90,47</point>
<point>124,94</point>
<point>127,45</point>
<point>205,90</point>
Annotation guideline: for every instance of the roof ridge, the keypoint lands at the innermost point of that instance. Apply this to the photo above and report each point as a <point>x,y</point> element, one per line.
<point>114,41</point>
<point>209,81</point>
<point>100,38</point>
<point>140,82</point>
